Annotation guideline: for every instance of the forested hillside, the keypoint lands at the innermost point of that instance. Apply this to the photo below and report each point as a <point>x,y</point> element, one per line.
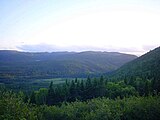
<point>14,64</point>
<point>145,66</point>
<point>141,72</point>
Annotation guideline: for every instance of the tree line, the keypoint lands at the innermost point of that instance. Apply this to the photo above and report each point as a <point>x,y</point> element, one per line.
<point>84,90</point>
<point>91,99</point>
<point>12,107</point>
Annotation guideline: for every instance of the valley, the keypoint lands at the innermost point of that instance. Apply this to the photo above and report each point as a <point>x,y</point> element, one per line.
<point>128,91</point>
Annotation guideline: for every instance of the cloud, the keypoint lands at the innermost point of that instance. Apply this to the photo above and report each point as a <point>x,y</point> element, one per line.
<point>54,48</point>
<point>149,47</point>
<point>38,48</point>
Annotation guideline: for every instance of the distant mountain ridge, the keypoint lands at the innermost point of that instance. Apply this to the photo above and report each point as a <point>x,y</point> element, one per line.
<point>59,64</point>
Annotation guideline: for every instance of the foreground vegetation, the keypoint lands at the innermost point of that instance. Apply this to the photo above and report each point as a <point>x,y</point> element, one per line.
<point>12,107</point>
<point>90,99</point>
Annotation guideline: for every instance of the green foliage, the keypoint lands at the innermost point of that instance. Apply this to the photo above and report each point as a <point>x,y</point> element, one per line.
<point>41,96</point>
<point>33,98</point>
<point>142,108</point>
<point>129,109</point>
<point>12,107</point>
<point>121,90</point>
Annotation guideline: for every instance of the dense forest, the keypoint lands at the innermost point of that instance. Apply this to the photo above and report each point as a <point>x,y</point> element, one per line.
<point>122,95</point>
<point>12,107</point>
<point>92,88</point>
<point>90,100</point>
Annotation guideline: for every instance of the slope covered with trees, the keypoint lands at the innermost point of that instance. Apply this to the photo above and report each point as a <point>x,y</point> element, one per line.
<point>142,71</point>
<point>145,66</point>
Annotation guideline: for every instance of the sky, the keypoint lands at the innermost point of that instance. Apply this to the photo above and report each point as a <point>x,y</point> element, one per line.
<point>127,26</point>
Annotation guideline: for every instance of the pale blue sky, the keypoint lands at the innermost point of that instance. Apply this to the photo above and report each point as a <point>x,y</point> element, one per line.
<point>129,26</point>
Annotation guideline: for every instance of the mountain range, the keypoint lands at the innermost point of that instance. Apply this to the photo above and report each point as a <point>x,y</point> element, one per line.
<point>15,64</point>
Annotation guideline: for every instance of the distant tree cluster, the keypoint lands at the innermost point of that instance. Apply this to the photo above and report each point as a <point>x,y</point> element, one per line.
<point>81,90</point>
<point>93,88</point>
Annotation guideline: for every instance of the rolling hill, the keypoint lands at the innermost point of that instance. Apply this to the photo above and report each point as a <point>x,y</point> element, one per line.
<point>15,64</point>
